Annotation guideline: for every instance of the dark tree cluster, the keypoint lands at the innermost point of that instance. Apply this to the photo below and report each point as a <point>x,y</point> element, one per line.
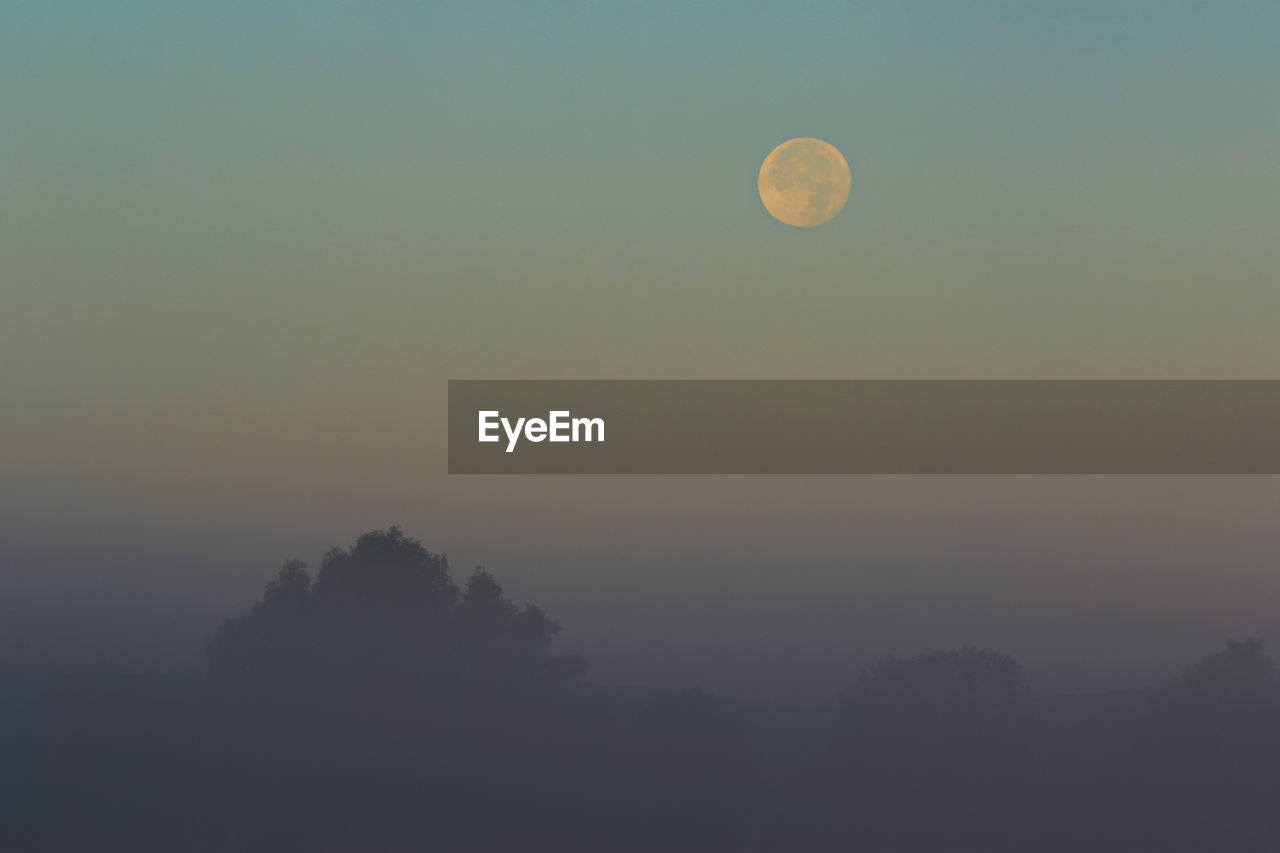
<point>390,707</point>
<point>378,705</point>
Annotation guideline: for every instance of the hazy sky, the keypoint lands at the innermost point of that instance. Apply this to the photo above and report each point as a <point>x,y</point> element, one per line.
<point>244,245</point>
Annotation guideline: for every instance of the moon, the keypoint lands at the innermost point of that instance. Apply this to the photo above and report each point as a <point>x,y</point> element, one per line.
<point>804,182</point>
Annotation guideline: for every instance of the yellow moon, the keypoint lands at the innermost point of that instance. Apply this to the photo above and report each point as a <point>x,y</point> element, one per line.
<point>804,182</point>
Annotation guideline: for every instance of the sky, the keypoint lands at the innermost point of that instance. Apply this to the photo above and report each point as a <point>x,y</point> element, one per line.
<point>243,247</point>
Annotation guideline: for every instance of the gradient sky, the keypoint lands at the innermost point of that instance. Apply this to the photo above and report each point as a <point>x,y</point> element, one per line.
<point>244,245</point>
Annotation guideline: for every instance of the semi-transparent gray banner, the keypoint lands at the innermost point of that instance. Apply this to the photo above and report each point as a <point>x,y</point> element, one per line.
<point>864,427</point>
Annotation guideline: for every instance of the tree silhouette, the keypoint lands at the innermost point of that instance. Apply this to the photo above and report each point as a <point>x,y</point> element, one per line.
<point>945,735</point>
<point>387,614</point>
<point>1239,679</point>
<point>382,695</point>
<point>378,705</point>
<point>1203,770</point>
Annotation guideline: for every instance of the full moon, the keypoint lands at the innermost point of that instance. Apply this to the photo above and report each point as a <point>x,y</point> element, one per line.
<point>804,182</point>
